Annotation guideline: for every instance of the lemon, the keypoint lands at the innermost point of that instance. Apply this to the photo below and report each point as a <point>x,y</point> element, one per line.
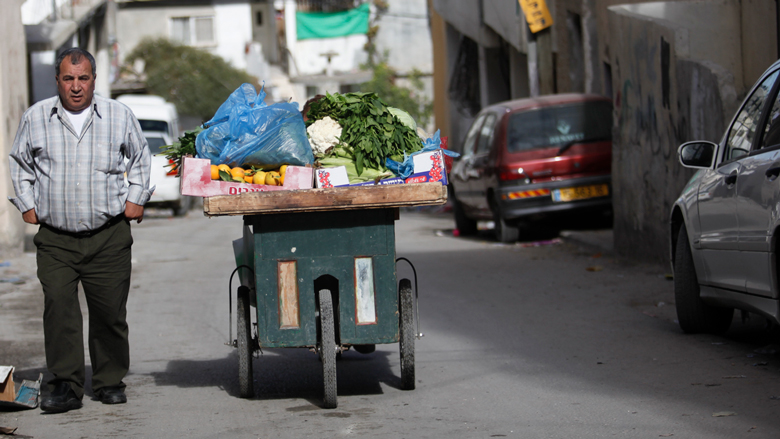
<point>269,179</point>
<point>259,177</point>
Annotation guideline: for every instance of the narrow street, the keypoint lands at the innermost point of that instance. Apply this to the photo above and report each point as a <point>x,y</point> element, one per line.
<point>553,340</point>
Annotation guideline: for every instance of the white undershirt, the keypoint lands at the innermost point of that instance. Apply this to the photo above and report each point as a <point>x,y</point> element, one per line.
<point>78,119</point>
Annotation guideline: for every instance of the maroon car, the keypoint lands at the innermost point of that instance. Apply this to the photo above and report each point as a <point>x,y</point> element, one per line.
<point>531,159</point>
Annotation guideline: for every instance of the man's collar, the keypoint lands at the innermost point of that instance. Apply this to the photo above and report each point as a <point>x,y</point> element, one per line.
<point>58,109</point>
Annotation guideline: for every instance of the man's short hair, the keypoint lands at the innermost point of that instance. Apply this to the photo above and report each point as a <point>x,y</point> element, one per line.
<point>76,55</point>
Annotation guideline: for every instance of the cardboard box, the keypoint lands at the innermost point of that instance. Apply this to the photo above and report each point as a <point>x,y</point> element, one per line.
<point>196,180</point>
<point>7,389</point>
<point>331,177</point>
<point>26,397</point>
<point>429,167</point>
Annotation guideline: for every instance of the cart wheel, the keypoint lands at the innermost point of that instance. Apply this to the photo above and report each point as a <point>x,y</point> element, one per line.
<point>327,349</point>
<point>245,383</point>
<point>405,302</point>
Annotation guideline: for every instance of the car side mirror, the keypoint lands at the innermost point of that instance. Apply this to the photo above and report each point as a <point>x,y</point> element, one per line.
<point>698,154</point>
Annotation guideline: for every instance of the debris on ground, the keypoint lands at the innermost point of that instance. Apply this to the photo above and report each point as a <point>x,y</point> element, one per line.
<point>723,414</point>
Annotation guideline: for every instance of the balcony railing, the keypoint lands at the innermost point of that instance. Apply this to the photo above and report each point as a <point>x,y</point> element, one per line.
<point>327,5</point>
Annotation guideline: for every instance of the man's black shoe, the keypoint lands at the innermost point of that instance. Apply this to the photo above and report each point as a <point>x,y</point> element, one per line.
<point>62,399</point>
<point>113,395</point>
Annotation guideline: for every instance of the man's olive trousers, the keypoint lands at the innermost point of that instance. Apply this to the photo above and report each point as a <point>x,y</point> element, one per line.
<point>102,263</point>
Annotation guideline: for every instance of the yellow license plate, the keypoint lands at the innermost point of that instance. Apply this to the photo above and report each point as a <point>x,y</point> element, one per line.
<point>580,193</point>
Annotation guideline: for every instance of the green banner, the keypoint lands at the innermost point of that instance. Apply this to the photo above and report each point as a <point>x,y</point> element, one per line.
<point>332,24</point>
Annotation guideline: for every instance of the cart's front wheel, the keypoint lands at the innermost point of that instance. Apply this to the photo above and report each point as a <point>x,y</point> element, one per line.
<point>405,302</point>
<point>327,349</point>
<point>244,344</point>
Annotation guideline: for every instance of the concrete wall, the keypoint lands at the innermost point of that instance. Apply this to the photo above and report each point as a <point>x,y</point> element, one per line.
<point>441,113</point>
<point>13,102</point>
<point>759,21</point>
<point>507,20</point>
<point>404,32</point>
<point>264,30</point>
<point>677,76</point>
<point>232,25</point>
<point>466,17</point>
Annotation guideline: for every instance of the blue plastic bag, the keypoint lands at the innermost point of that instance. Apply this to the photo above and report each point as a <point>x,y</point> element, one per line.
<point>246,131</point>
<point>406,168</point>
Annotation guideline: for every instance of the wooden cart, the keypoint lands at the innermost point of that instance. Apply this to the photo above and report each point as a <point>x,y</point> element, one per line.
<point>320,271</point>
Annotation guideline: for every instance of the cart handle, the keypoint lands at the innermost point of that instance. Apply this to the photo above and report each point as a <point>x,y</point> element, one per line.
<point>416,295</point>
<point>230,302</point>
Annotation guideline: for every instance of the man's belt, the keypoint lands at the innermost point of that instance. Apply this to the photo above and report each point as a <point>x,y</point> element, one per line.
<point>87,233</point>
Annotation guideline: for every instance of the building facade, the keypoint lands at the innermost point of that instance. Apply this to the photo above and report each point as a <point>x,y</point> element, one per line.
<point>13,102</point>
<point>675,71</point>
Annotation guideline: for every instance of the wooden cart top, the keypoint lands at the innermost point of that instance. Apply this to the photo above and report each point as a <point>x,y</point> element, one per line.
<point>339,198</point>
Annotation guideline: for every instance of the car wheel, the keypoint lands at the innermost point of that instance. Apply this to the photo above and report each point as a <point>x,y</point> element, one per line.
<point>692,313</point>
<point>465,225</point>
<point>504,231</point>
<point>182,206</point>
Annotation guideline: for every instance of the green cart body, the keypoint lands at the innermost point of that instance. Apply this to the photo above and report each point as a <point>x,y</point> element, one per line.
<point>351,253</point>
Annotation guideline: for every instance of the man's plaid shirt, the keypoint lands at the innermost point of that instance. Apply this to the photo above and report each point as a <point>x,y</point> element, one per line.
<point>75,182</point>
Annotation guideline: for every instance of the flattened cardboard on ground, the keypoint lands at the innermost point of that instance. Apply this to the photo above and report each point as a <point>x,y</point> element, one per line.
<point>25,398</point>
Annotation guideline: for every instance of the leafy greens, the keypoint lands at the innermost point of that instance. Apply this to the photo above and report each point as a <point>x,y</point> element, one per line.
<point>370,134</point>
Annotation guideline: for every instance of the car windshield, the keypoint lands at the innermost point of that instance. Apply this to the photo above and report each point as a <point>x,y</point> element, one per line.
<point>153,125</point>
<point>155,144</point>
<point>559,126</point>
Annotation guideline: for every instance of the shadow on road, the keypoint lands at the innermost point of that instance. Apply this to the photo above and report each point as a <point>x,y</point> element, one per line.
<point>287,373</point>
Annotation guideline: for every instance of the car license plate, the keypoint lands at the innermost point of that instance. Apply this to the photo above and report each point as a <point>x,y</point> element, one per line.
<point>580,193</point>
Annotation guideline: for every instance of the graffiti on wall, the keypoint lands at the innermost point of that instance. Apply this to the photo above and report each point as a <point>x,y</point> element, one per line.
<point>656,96</point>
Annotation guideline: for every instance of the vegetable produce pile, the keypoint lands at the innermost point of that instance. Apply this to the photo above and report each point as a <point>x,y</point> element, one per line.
<point>370,134</point>
<point>185,146</point>
<point>355,130</point>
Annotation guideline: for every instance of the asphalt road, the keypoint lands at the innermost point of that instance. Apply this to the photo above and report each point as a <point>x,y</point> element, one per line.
<point>546,340</point>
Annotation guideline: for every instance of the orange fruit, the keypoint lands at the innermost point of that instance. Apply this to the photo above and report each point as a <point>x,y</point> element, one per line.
<point>282,170</point>
<point>237,172</point>
<point>224,167</point>
<point>248,178</point>
<point>214,172</point>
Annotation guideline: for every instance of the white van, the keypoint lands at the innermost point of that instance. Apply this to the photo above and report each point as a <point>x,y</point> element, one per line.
<point>160,124</point>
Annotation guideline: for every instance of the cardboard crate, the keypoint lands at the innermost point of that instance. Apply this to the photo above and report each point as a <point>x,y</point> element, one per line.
<point>429,167</point>
<point>196,180</point>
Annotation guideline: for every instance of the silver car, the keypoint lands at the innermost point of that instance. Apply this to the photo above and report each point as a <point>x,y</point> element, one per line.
<point>724,225</point>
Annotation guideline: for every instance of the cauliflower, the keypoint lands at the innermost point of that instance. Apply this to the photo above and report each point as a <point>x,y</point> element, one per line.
<point>323,135</point>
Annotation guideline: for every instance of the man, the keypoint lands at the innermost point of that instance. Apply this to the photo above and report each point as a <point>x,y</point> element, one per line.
<point>68,165</point>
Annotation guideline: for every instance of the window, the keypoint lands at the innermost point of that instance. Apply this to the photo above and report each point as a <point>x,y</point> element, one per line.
<point>153,125</point>
<point>743,131</point>
<point>155,144</point>
<point>772,130</point>
<point>194,31</point>
<point>471,137</point>
<point>312,90</point>
<point>486,134</point>
<point>560,126</point>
